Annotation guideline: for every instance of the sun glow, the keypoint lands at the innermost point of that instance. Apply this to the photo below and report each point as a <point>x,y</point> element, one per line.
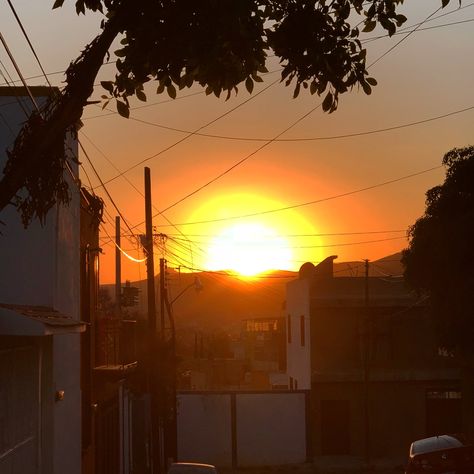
<point>249,249</point>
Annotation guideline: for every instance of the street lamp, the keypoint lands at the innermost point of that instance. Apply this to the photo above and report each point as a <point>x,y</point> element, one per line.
<point>197,286</point>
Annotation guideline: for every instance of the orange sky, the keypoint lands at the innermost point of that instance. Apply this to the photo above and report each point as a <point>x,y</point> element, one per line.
<point>427,75</point>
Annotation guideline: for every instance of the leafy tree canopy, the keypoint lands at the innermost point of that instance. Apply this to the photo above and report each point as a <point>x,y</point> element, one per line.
<point>217,44</point>
<point>440,258</point>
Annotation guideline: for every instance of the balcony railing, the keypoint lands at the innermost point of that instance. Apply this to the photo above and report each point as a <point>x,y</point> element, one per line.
<point>116,345</point>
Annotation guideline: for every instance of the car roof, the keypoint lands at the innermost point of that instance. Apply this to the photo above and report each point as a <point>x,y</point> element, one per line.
<point>200,464</point>
<point>191,467</point>
<point>435,443</point>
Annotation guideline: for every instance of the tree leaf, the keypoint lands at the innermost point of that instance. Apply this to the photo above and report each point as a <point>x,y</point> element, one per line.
<point>160,88</point>
<point>120,53</point>
<point>58,4</point>
<point>108,86</point>
<point>171,91</point>
<point>366,87</point>
<point>327,102</point>
<point>105,104</point>
<point>296,91</point>
<point>123,109</point>
<point>140,95</point>
<point>249,84</point>
<point>369,26</point>
<point>371,81</point>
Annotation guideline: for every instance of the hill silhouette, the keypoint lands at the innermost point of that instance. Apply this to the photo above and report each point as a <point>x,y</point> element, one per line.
<point>226,299</point>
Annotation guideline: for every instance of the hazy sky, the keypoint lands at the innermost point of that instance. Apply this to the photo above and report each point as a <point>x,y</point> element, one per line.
<point>429,74</point>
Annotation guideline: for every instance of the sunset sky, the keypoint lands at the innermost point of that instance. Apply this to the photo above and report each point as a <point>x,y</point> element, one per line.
<point>428,75</point>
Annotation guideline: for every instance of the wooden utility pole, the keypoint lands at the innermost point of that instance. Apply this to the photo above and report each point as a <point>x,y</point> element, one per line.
<point>153,349</point>
<point>118,268</point>
<point>162,298</point>
<point>366,352</point>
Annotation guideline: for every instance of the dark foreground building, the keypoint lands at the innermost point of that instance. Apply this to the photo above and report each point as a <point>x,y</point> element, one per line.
<point>366,349</point>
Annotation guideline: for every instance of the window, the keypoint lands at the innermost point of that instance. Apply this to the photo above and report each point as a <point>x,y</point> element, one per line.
<point>288,331</point>
<point>302,328</point>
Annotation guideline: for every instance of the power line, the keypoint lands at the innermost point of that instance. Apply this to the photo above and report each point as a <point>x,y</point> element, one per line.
<point>104,187</point>
<point>122,251</point>
<point>389,50</point>
<point>308,139</point>
<point>313,235</point>
<point>454,23</point>
<point>316,201</point>
<point>252,97</point>
<point>29,42</point>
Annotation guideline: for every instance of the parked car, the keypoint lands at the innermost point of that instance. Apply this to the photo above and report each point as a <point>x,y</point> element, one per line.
<point>191,468</point>
<point>444,454</point>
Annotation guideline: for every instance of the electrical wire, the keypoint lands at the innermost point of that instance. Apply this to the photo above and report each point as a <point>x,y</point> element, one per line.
<point>308,139</point>
<point>252,97</point>
<point>122,251</point>
<point>316,201</point>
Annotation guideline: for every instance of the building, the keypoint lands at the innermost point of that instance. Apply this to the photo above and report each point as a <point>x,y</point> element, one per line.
<point>67,398</point>
<point>366,349</point>
<point>40,325</point>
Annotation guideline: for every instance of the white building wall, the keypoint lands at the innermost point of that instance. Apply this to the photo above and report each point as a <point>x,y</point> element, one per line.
<point>40,266</point>
<point>205,428</point>
<point>237,429</point>
<point>271,429</point>
<point>298,356</point>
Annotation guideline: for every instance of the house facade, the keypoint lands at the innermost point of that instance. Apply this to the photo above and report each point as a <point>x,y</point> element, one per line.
<point>40,326</point>
<point>366,349</point>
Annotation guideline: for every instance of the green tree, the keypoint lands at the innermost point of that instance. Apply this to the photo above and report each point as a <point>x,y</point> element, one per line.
<point>439,261</point>
<point>217,44</point>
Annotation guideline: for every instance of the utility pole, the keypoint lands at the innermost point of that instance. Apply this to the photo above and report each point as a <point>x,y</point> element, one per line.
<point>153,349</point>
<point>162,298</point>
<point>118,268</point>
<point>366,352</point>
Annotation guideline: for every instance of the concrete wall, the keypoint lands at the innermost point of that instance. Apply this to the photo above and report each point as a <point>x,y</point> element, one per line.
<point>241,429</point>
<point>40,266</point>
<point>298,356</point>
<point>205,428</point>
<point>271,428</point>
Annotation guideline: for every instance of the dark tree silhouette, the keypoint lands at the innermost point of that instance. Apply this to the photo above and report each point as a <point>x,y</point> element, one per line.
<point>439,261</point>
<point>217,44</point>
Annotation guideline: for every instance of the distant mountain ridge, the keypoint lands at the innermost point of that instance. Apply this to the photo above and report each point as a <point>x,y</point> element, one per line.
<point>225,300</point>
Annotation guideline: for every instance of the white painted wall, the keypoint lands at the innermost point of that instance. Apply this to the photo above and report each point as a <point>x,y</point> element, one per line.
<point>204,428</point>
<point>40,266</point>
<point>298,356</point>
<point>271,429</point>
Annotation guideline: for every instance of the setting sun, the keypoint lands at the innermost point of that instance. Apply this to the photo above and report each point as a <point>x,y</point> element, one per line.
<point>249,249</point>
